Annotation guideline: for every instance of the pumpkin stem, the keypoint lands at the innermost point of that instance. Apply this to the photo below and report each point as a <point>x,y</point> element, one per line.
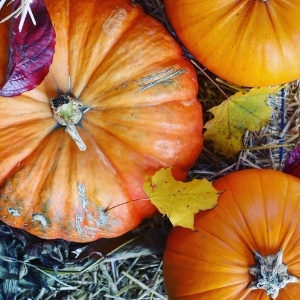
<point>270,274</point>
<point>68,112</point>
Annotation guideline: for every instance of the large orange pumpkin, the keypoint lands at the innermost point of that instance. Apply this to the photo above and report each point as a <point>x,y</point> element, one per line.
<point>247,42</point>
<point>118,104</point>
<point>245,247</point>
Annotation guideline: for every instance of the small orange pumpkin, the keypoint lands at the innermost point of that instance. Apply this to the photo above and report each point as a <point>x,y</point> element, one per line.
<point>248,42</point>
<point>120,90</point>
<point>245,248</point>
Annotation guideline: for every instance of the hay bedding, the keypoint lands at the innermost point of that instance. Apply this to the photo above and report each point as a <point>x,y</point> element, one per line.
<point>34,269</point>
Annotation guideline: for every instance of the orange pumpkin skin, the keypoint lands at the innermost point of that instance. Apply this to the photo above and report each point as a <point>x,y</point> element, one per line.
<point>142,115</point>
<point>257,210</point>
<point>249,42</point>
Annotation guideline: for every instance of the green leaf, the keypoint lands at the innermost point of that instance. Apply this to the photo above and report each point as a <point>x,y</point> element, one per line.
<point>234,116</point>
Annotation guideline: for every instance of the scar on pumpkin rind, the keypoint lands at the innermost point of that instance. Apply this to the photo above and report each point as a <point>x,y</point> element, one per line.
<point>114,21</point>
<point>36,217</point>
<point>14,212</point>
<point>98,220</point>
<point>164,80</point>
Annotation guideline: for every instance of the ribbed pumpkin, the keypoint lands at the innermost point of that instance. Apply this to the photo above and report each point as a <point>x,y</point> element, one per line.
<point>245,247</point>
<point>121,88</point>
<point>247,42</point>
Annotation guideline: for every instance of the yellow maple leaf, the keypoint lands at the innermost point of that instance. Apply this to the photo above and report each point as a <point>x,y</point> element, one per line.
<point>180,201</point>
<point>241,112</point>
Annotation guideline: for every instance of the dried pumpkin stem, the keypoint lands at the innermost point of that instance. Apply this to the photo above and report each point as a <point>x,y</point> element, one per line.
<point>270,274</point>
<point>68,112</point>
<point>72,131</point>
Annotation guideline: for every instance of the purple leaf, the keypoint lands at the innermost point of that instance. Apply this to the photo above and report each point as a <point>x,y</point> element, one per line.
<point>30,51</point>
<point>292,164</point>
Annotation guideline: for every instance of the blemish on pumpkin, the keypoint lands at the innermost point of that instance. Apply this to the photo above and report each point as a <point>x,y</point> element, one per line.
<point>39,218</point>
<point>114,21</point>
<point>14,212</point>
<point>188,103</point>
<point>4,197</point>
<point>161,78</point>
<point>92,218</point>
<point>78,221</point>
<point>82,195</point>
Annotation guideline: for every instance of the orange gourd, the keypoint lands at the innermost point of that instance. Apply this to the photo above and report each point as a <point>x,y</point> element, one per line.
<point>118,104</point>
<point>228,254</point>
<point>246,42</point>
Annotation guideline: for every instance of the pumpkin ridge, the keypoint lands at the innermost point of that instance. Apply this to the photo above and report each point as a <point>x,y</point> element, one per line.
<point>203,293</point>
<point>260,187</point>
<point>25,110</point>
<point>108,54</point>
<point>236,227</point>
<point>281,243</point>
<point>240,282</point>
<point>239,232</point>
<point>211,262</point>
<point>280,40</point>
<point>31,202</point>
<point>36,119</point>
<point>224,241</point>
<point>140,65</point>
<point>132,13</point>
<point>282,238</point>
<point>121,133</point>
<point>102,155</point>
<point>154,160</point>
<point>228,285</point>
<point>28,148</point>
<point>293,225</point>
<point>265,213</point>
<point>41,146</point>
<point>110,98</point>
<point>95,213</point>
<point>140,124</point>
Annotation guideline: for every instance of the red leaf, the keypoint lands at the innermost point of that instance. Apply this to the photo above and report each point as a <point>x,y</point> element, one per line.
<point>30,51</point>
<point>292,164</point>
